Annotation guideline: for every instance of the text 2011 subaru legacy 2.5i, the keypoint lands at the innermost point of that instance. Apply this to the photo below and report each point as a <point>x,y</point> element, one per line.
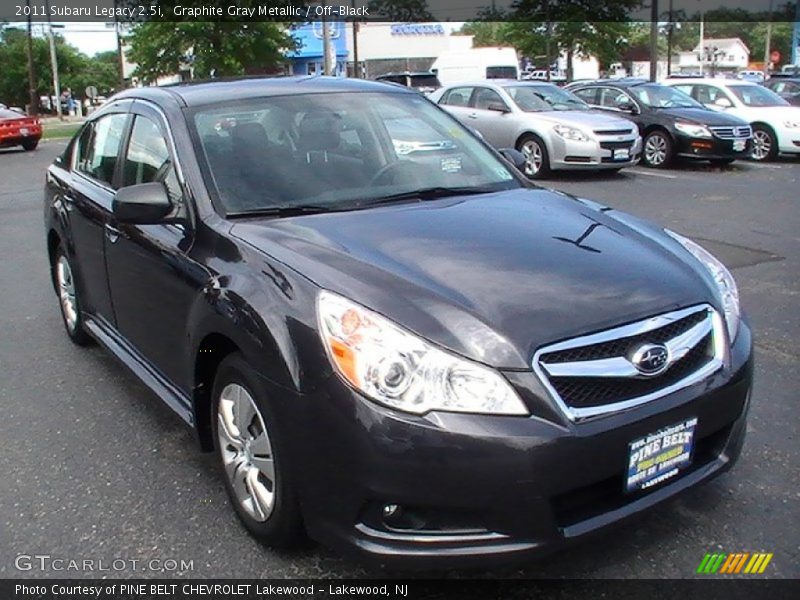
<point>400,347</point>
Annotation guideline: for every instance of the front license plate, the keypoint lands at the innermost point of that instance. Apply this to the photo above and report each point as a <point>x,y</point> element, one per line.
<point>23,131</point>
<point>660,456</point>
<point>622,154</point>
<point>739,145</point>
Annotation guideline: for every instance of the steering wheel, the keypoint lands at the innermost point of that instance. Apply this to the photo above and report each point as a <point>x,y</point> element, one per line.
<point>390,172</point>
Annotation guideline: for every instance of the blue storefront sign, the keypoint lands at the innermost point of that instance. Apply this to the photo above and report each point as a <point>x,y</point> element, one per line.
<point>308,58</point>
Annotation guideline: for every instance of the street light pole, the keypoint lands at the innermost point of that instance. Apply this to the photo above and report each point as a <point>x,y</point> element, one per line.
<point>33,95</point>
<point>653,40</point>
<point>53,61</point>
<point>768,41</point>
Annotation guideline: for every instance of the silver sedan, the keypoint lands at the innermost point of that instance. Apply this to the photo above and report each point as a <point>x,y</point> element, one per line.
<point>552,127</point>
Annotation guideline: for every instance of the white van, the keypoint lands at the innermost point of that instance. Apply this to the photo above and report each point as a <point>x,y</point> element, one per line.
<point>476,63</point>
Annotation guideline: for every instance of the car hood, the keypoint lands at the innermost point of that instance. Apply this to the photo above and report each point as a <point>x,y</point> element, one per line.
<point>588,119</point>
<point>704,116</point>
<point>491,277</point>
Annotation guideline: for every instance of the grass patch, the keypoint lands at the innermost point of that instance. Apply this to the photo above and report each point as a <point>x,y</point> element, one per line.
<point>59,130</point>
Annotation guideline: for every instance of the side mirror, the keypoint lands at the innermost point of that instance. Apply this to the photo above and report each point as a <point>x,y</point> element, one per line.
<point>627,106</point>
<point>722,102</point>
<point>498,107</point>
<point>515,157</point>
<point>142,204</point>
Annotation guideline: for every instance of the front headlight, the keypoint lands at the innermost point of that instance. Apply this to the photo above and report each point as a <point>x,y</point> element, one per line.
<point>396,368</point>
<point>792,124</point>
<point>693,129</point>
<point>729,294</point>
<point>570,133</point>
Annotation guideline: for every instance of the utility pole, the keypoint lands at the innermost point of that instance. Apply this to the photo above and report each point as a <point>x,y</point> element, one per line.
<point>653,40</point>
<point>53,61</point>
<point>768,41</point>
<point>326,42</point>
<point>671,28</point>
<point>120,55</point>
<point>702,43</point>
<point>356,64</point>
<point>33,95</point>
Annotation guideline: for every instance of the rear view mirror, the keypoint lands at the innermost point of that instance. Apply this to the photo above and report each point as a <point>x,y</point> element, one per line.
<point>497,107</point>
<point>145,203</point>
<point>722,102</point>
<point>515,157</point>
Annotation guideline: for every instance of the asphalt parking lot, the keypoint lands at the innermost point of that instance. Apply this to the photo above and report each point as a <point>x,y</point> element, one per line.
<point>94,467</point>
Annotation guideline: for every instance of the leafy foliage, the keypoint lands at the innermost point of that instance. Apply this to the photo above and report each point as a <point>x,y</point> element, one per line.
<point>400,10</point>
<point>76,70</point>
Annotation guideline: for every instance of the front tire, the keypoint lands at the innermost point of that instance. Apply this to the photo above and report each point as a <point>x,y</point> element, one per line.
<point>657,151</point>
<point>537,161</point>
<point>253,456</point>
<point>765,144</point>
<point>69,300</point>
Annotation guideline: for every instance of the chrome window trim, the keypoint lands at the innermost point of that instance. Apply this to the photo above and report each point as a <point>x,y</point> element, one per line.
<point>717,362</point>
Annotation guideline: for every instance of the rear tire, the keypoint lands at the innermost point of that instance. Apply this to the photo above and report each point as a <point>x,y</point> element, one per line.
<point>29,145</point>
<point>657,149</point>
<point>537,162</point>
<point>253,456</point>
<point>765,144</point>
<point>69,299</point>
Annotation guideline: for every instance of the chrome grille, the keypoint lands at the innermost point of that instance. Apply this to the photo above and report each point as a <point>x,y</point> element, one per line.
<point>595,374</point>
<point>614,131</point>
<point>729,133</point>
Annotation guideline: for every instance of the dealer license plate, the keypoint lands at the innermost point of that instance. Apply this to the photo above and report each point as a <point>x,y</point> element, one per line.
<point>659,456</point>
<point>23,131</point>
<point>739,145</point>
<point>622,154</point>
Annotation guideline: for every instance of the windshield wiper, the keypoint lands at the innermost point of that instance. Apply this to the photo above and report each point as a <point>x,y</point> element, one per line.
<point>282,211</point>
<point>431,193</point>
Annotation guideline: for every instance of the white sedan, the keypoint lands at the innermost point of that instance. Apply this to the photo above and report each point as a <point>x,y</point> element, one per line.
<point>776,124</point>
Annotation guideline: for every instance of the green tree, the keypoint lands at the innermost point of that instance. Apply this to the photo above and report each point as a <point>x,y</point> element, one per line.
<point>400,10</point>
<point>211,49</point>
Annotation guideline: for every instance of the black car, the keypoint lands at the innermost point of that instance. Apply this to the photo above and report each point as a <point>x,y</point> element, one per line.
<point>787,88</point>
<point>419,357</point>
<point>671,123</point>
<point>424,81</point>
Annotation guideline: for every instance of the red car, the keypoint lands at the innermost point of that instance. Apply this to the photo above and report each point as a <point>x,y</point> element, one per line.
<point>17,129</point>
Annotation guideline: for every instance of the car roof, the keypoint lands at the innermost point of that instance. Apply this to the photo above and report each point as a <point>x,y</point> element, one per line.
<point>713,81</point>
<point>624,82</point>
<point>212,92</point>
<point>408,73</point>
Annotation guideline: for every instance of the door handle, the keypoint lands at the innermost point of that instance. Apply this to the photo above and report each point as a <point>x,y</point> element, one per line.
<point>112,233</point>
<point>472,115</point>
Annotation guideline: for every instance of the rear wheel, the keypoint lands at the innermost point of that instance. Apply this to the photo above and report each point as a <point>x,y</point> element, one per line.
<point>765,145</point>
<point>537,162</point>
<point>253,456</point>
<point>69,300</point>
<point>29,145</point>
<point>657,151</point>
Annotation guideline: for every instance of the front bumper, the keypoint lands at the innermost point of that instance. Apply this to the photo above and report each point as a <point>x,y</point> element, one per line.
<point>711,149</point>
<point>594,153</point>
<point>486,489</point>
<point>788,140</point>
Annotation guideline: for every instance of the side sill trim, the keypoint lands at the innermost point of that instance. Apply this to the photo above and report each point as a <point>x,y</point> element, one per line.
<point>173,397</point>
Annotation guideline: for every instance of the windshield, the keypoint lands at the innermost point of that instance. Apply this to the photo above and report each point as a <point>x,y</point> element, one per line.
<point>661,96</point>
<point>339,151</point>
<point>755,95</point>
<point>533,98</point>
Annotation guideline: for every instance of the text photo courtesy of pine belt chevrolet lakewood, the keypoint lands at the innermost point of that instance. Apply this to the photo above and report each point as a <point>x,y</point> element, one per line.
<point>552,127</point>
<point>401,354</point>
<point>672,124</point>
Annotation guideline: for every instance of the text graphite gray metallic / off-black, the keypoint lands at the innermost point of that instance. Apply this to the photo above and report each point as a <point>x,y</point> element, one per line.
<point>388,335</point>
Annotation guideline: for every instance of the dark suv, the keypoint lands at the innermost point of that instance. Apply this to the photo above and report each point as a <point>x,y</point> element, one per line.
<point>406,351</point>
<point>672,123</point>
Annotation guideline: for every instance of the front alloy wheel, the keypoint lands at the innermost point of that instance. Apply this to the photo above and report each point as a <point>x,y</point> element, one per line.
<point>253,455</point>
<point>765,146</point>
<point>537,163</point>
<point>657,150</point>
<point>246,452</point>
